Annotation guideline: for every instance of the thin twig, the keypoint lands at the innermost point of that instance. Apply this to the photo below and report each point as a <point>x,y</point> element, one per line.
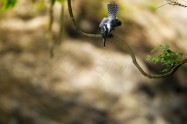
<point>173,3</point>
<point>125,44</point>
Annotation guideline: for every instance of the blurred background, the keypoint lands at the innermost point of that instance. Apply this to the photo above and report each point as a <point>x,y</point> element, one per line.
<point>85,83</point>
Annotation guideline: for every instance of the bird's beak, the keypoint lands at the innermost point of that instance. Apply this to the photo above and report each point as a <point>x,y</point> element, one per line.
<point>104,41</point>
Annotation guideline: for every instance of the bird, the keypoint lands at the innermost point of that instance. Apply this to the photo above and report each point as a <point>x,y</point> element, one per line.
<point>109,23</point>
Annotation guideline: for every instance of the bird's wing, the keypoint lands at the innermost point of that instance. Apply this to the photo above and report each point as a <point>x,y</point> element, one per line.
<point>105,20</point>
<point>112,10</point>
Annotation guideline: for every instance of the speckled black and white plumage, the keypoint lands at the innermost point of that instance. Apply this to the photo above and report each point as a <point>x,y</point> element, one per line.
<point>109,23</point>
<point>112,10</point>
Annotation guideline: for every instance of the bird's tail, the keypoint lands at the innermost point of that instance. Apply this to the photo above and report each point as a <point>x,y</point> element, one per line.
<point>112,9</point>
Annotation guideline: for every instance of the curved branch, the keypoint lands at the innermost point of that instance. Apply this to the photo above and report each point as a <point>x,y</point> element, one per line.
<point>75,25</point>
<point>172,71</point>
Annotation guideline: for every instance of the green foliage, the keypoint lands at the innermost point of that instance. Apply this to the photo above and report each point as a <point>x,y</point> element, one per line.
<point>8,4</point>
<point>166,56</point>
